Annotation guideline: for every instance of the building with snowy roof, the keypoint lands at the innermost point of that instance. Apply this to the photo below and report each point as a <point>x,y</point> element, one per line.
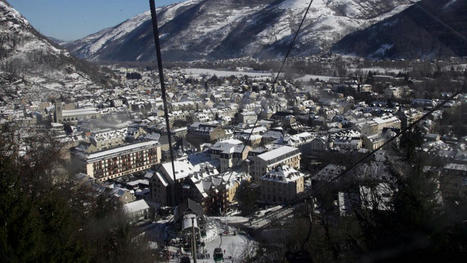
<point>119,161</point>
<point>283,155</point>
<point>281,185</point>
<point>137,210</point>
<point>299,139</point>
<point>123,195</point>
<point>189,215</point>
<point>347,140</point>
<point>207,132</point>
<point>229,153</point>
<point>76,114</point>
<point>164,181</point>
<point>201,182</point>
<point>248,117</point>
<point>378,124</point>
<point>216,192</point>
<point>328,173</point>
<point>106,139</point>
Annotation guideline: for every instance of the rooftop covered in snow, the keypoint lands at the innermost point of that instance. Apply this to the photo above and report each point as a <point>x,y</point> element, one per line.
<point>281,152</point>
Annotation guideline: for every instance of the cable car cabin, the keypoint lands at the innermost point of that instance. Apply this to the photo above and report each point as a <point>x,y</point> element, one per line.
<point>218,255</point>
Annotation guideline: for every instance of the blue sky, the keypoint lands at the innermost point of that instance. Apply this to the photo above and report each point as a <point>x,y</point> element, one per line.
<point>73,19</point>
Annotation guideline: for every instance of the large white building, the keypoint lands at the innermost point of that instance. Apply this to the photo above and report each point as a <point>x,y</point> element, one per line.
<point>62,115</point>
<point>376,125</point>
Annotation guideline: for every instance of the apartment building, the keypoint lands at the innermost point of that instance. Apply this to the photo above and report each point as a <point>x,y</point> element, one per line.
<point>229,153</point>
<point>200,182</point>
<point>378,124</point>
<point>215,192</point>
<point>205,132</point>
<point>163,184</point>
<point>119,161</point>
<point>266,162</point>
<point>281,185</point>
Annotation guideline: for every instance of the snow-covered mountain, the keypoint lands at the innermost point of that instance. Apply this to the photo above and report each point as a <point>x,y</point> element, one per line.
<point>429,29</point>
<point>214,29</point>
<point>29,59</point>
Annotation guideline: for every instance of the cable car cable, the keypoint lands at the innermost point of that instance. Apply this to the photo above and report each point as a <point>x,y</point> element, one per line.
<point>155,28</point>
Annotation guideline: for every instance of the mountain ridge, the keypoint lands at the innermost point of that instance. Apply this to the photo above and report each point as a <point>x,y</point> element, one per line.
<point>429,29</point>
<point>224,29</point>
<point>31,59</point>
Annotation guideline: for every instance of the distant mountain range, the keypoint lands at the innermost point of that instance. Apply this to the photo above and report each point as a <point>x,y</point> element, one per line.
<point>428,29</point>
<point>29,59</point>
<point>222,29</point>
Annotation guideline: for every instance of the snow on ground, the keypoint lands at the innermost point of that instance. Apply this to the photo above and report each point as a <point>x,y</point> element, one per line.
<point>235,247</point>
<point>171,10</point>
<point>120,31</point>
<point>225,73</point>
<point>235,244</point>
<point>232,219</point>
<point>449,4</point>
<point>379,70</point>
<point>222,20</point>
<point>308,77</point>
<point>383,49</point>
<point>295,4</point>
<point>219,233</point>
<point>99,39</point>
<point>456,67</point>
<point>53,86</point>
<point>13,13</point>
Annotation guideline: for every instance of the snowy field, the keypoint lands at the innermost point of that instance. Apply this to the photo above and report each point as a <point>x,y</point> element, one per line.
<point>308,77</point>
<point>380,70</point>
<point>225,73</point>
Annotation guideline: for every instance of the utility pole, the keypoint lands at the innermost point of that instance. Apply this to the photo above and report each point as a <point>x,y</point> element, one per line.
<point>155,28</point>
<point>193,238</point>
